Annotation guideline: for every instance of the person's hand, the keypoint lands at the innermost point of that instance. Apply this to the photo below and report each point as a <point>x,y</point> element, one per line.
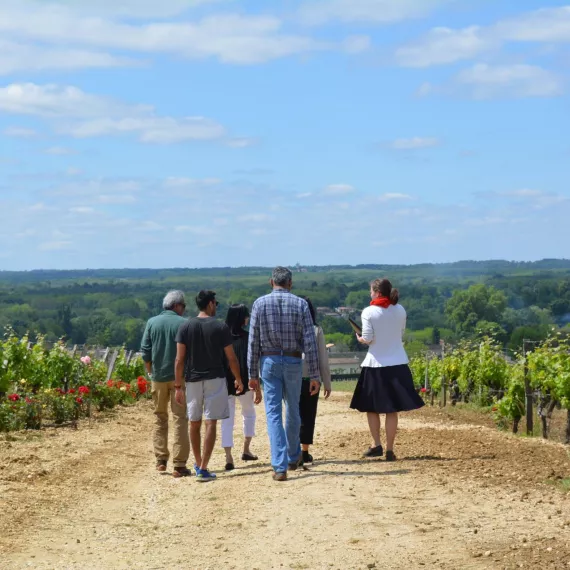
<point>361,340</point>
<point>327,393</point>
<point>239,386</point>
<point>254,384</point>
<point>258,397</point>
<point>179,396</point>
<point>314,387</point>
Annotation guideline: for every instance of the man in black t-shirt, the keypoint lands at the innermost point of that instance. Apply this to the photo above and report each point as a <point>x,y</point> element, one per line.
<point>201,343</point>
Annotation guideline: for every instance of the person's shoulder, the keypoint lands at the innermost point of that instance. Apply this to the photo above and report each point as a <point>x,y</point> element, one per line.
<point>400,308</point>
<point>368,311</point>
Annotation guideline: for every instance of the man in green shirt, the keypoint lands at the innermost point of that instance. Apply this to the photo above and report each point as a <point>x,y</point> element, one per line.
<point>159,353</point>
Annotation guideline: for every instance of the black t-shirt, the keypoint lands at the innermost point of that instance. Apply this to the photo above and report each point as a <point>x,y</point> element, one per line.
<point>239,343</point>
<point>205,340</point>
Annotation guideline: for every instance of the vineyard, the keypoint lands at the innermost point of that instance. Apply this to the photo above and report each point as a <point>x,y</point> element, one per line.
<point>483,374</point>
<point>42,385</point>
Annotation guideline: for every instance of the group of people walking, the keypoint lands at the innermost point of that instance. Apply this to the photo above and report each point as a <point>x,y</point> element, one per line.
<point>200,367</point>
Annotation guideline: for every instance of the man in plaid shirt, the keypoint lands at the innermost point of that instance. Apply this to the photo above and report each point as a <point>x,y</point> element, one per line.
<point>280,331</point>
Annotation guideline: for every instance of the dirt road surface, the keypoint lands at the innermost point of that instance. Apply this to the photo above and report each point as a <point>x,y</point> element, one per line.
<point>460,496</point>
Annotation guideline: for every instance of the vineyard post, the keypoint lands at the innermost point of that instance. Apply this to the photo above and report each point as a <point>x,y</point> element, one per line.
<point>443,378</point>
<point>528,392</point>
<point>426,381</point>
<point>112,362</point>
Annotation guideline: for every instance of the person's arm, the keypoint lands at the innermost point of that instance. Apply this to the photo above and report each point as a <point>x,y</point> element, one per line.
<point>404,323</point>
<point>254,349</point>
<point>146,349</point>
<point>367,330</point>
<point>310,349</point>
<point>234,367</point>
<point>324,362</point>
<point>179,372</point>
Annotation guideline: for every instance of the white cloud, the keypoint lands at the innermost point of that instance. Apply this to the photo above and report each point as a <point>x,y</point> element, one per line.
<point>486,81</point>
<point>523,193</point>
<point>117,199</point>
<point>390,196</point>
<point>20,132</point>
<point>357,44</point>
<point>17,57</point>
<point>366,11</point>
<point>55,245</point>
<point>230,38</point>
<point>59,151</point>
<point>338,190</point>
<point>241,142</point>
<point>82,115</point>
<point>81,210</point>
<point>415,143</point>
<point>444,45</point>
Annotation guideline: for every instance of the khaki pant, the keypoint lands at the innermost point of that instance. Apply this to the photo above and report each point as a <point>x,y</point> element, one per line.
<point>163,395</point>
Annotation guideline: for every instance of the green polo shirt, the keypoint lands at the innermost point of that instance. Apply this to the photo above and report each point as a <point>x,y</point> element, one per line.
<point>159,345</point>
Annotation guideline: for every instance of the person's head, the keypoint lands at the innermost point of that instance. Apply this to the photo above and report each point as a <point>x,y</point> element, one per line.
<point>383,288</point>
<point>174,301</point>
<point>237,318</point>
<point>311,309</point>
<point>281,277</point>
<point>206,302</point>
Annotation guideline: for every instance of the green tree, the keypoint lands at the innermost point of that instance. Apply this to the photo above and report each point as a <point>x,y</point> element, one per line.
<point>468,307</point>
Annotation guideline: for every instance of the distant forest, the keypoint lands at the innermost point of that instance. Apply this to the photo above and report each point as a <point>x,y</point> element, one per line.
<point>468,299</point>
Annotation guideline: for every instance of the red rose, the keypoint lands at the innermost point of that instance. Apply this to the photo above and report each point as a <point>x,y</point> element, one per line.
<point>424,390</point>
<point>59,391</point>
<point>79,400</point>
<point>142,385</point>
<point>83,390</point>
<point>13,397</point>
<point>71,391</point>
<point>28,401</point>
<point>110,383</point>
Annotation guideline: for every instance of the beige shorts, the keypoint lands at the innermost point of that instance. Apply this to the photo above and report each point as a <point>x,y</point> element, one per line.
<point>207,398</point>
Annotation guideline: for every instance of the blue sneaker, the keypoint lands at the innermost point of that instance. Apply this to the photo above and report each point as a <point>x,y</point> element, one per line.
<point>203,475</point>
<point>196,469</point>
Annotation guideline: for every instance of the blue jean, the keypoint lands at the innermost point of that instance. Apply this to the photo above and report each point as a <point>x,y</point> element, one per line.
<point>282,380</point>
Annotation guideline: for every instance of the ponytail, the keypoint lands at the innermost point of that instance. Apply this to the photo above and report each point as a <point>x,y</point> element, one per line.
<point>385,289</point>
<point>394,296</point>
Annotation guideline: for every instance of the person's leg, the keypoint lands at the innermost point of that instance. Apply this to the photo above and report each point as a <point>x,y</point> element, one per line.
<point>209,442</point>
<point>272,377</point>
<point>195,404</point>
<point>308,409</point>
<point>391,429</point>
<point>249,415</point>
<point>216,407</point>
<point>181,445</point>
<point>160,397</point>
<point>293,380</point>
<point>228,430</point>
<point>374,425</point>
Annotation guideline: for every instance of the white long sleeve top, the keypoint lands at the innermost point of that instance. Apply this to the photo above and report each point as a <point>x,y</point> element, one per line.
<point>384,328</point>
<point>324,366</point>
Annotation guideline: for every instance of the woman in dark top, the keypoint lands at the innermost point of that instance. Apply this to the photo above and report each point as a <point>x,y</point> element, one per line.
<point>237,319</point>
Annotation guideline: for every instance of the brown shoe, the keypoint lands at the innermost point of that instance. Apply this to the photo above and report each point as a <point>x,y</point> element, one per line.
<point>280,476</point>
<point>178,472</point>
<point>161,465</point>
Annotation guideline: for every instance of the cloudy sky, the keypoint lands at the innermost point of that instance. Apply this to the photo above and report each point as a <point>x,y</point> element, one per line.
<point>192,133</point>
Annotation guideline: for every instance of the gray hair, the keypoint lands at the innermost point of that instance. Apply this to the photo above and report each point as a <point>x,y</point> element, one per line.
<point>281,276</point>
<point>173,298</point>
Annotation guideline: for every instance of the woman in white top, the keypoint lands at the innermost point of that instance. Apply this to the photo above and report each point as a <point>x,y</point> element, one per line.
<point>308,403</point>
<point>385,385</point>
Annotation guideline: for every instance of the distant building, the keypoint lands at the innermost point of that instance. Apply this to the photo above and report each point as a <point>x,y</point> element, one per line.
<point>345,311</point>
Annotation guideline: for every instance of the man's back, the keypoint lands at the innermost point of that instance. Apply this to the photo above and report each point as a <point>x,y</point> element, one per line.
<point>281,321</point>
<point>205,340</point>
<point>159,344</point>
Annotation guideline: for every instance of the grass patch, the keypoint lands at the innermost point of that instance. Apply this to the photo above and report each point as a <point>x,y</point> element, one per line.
<point>344,386</point>
<point>560,484</point>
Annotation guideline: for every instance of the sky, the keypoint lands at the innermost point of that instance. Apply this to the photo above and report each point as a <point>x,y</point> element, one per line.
<point>208,133</point>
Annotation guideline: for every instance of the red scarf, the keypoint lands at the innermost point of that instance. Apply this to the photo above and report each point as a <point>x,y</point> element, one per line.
<point>383,302</point>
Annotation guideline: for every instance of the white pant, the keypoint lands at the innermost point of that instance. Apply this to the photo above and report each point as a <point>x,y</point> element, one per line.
<point>248,413</point>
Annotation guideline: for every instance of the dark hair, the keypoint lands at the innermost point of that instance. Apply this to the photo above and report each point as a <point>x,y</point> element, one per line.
<point>384,287</point>
<point>281,276</point>
<point>235,319</point>
<point>204,298</point>
<point>311,309</point>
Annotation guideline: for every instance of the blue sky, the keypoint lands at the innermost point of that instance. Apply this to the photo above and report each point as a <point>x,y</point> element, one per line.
<point>136,133</point>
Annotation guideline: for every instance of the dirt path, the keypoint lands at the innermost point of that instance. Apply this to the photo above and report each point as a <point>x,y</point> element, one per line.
<point>461,496</point>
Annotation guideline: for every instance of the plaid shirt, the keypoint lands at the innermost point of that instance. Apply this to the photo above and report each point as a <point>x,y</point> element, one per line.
<point>282,321</point>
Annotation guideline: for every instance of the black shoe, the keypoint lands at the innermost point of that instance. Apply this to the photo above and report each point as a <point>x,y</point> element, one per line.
<point>229,466</point>
<point>248,457</point>
<point>307,457</point>
<point>374,452</point>
<point>390,456</point>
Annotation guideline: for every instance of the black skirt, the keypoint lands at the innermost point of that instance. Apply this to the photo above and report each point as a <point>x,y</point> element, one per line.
<point>386,390</point>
